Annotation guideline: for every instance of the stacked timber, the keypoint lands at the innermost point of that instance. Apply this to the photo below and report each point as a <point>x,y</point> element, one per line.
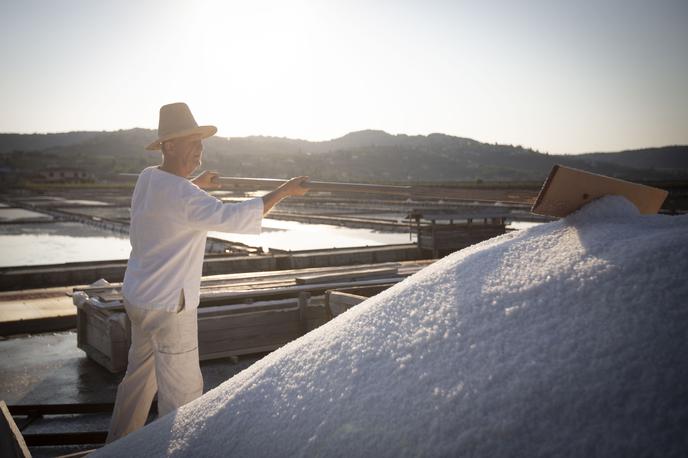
<point>239,314</point>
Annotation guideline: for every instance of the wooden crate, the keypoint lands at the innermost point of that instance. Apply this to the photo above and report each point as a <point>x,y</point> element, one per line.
<point>229,330</point>
<point>104,335</point>
<point>238,314</point>
<point>242,329</point>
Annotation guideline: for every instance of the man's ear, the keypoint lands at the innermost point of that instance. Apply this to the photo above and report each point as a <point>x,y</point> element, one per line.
<point>167,147</point>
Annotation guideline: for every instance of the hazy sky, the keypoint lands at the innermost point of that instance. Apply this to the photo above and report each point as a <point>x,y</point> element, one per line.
<point>558,76</point>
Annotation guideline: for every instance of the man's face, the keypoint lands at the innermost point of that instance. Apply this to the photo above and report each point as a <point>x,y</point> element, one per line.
<point>188,151</point>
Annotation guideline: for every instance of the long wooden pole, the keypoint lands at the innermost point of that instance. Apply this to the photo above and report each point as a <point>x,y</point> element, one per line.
<point>272,183</point>
<point>268,184</point>
<point>477,195</point>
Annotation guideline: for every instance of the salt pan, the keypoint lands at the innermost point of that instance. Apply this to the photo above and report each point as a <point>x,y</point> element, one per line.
<point>569,338</point>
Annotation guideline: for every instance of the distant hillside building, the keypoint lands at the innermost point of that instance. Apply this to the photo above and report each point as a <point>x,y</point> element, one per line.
<point>65,174</point>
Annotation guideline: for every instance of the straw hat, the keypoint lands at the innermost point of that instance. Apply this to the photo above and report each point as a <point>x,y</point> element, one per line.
<point>177,121</point>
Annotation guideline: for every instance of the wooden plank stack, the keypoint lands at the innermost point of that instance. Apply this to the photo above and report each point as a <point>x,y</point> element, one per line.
<point>238,314</point>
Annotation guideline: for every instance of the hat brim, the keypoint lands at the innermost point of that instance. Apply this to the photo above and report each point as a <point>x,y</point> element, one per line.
<point>204,131</point>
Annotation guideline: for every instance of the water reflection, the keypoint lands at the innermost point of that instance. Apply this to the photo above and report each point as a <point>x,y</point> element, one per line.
<point>19,214</point>
<point>55,243</point>
<point>61,242</point>
<point>291,235</point>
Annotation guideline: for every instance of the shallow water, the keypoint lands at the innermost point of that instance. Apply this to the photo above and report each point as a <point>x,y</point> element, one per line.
<point>55,243</point>
<point>82,202</point>
<point>15,214</point>
<point>292,235</point>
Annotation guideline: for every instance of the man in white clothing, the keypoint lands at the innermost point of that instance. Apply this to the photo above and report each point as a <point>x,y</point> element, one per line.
<point>170,217</point>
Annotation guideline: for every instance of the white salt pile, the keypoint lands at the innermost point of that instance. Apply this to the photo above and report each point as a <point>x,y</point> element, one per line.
<point>569,338</point>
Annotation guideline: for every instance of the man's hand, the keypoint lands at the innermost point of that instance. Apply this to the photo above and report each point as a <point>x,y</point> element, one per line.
<point>207,180</point>
<point>295,187</point>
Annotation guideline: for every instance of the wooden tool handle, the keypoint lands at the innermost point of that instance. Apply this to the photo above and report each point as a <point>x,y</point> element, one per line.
<point>271,183</point>
<point>413,192</point>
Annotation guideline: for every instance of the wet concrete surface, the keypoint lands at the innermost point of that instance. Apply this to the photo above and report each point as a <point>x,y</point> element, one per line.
<point>50,369</point>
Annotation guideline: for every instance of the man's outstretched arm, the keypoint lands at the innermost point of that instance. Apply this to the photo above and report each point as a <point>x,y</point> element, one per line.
<point>293,187</point>
<point>209,180</point>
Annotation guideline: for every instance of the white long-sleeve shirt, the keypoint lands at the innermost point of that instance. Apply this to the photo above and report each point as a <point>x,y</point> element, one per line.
<point>170,218</point>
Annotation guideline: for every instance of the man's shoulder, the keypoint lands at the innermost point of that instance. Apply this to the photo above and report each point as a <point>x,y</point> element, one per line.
<point>155,184</point>
<point>169,181</point>
<point>160,177</point>
<point>148,170</point>
<point>146,174</point>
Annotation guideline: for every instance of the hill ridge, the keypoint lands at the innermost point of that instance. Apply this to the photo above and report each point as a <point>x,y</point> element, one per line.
<point>365,155</point>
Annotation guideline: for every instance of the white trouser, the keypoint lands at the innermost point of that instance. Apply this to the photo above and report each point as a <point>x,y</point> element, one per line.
<point>163,357</point>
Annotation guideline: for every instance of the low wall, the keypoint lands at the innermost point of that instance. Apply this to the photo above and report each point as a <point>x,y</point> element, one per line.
<point>84,273</point>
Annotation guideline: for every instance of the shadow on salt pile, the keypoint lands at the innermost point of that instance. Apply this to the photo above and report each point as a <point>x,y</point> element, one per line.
<point>564,339</point>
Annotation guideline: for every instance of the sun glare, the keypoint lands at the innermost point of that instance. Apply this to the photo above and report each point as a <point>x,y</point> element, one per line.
<point>255,65</point>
